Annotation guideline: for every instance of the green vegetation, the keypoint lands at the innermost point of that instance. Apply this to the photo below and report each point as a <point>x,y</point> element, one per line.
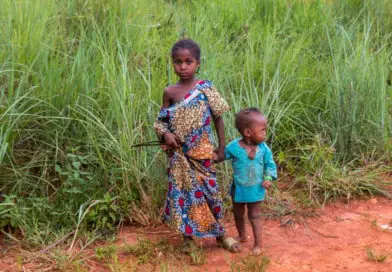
<point>251,264</point>
<point>375,257</point>
<point>81,82</point>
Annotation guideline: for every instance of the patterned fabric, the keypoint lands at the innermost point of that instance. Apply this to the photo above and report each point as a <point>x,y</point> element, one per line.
<point>193,205</point>
<point>249,174</point>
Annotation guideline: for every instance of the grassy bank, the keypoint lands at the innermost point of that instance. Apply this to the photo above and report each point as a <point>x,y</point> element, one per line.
<point>82,81</point>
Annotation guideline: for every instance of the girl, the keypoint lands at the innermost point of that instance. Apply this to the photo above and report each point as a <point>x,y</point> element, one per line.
<point>193,205</point>
<point>253,171</point>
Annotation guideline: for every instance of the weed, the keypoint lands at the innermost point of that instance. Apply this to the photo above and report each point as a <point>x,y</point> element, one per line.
<point>83,87</point>
<point>60,258</point>
<point>144,250</point>
<point>103,217</point>
<point>164,267</point>
<point>106,252</point>
<point>78,267</point>
<point>9,214</point>
<point>251,264</point>
<point>374,223</point>
<point>197,254</point>
<point>376,257</point>
<point>116,266</point>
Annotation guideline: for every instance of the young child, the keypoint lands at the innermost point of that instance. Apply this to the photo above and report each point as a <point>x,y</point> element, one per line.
<point>253,171</point>
<point>193,205</point>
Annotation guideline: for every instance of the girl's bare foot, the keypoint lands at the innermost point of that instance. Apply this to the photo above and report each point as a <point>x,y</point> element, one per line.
<point>243,239</point>
<point>187,244</point>
<point>256,251</point>
<point>229,243</point>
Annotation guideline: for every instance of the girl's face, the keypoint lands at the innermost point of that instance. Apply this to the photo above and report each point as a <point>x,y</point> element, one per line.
<point>185,65</point>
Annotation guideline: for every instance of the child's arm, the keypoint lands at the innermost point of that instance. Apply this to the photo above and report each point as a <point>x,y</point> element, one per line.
<point>270,172</point>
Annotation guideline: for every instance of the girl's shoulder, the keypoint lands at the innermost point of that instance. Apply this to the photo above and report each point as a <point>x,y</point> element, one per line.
<point>205,83</point>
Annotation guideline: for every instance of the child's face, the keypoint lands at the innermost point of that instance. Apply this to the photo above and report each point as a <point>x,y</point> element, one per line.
<point>185,65</point>
<point>257,132</point>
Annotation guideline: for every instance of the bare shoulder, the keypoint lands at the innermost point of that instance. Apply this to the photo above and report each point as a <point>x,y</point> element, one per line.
<point>168,95</point>
<point>169,89</point>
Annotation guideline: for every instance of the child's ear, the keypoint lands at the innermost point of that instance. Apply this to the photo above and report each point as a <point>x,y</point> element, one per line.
<point>247,132</point>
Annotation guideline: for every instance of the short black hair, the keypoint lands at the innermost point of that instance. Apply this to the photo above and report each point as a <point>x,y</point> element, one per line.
<point>189,44</point>
<point>243,118</point>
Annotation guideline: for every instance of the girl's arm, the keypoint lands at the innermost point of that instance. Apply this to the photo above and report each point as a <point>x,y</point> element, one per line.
<point>161,125</point>
<point>220,131</point>
<point>218,107</point>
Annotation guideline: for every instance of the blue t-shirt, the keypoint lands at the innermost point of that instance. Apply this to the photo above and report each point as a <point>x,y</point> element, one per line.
<point>248,175</point>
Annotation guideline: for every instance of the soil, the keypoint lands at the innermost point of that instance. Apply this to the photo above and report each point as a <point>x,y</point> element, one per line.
<point>337,240</point>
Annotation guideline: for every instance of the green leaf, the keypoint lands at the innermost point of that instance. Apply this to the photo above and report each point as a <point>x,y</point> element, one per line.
<point>76,164</point>
<point>104,220</point>
<point>112,216</point>
<point>57,168</point>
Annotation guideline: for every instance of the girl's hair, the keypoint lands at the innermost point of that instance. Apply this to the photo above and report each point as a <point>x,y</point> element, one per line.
<point>243,119</point>
<point>189,44</point>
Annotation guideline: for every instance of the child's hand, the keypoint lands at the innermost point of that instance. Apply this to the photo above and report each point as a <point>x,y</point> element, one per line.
<point>171,140</point>
<point>267,184</point>
<point>219,153</point>
<point>215,156</point>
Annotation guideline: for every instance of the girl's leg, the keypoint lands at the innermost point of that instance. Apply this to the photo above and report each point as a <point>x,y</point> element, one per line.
<point>239,212</point>
<point>254,215</point>
<point>188,244</point>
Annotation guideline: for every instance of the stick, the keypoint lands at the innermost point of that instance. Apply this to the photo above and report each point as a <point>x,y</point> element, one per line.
<point>322,234</point>
<point>56,243</point>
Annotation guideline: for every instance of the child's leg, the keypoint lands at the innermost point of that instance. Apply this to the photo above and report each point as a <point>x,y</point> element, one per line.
<point>254,215</point>
<point>239,211</point>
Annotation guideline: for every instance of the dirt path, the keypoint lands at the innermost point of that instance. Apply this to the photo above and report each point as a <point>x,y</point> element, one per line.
<point>335,241</point>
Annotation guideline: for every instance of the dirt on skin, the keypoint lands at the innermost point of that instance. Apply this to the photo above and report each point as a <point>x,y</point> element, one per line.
<point>337,240</point>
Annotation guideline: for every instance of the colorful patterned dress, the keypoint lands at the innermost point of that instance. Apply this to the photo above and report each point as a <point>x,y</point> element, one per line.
<point>193,205</point>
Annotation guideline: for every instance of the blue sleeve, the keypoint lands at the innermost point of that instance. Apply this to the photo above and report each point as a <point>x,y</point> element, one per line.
<point>269,164</point>
<point>228,152</point>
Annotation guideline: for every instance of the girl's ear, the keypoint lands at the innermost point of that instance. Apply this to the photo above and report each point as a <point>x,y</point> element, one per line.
<point>198,66</point>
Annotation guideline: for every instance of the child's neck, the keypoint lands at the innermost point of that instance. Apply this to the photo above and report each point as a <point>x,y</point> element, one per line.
<point>247,142</point>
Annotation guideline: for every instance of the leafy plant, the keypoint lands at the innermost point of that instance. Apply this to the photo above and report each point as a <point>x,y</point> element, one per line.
<point>106,252</point>
<point>104,216</point>
<point>85,86</point>
<point>9,215</point>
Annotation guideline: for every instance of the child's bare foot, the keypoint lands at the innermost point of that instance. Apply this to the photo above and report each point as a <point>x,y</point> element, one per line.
<point>256,251</point>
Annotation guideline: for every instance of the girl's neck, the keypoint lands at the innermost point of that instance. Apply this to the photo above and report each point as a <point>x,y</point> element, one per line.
<point>187,82</point>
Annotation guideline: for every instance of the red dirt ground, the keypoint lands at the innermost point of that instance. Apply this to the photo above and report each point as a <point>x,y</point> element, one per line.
<point>335,241</point>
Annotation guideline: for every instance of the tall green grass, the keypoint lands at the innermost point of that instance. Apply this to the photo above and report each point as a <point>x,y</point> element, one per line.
<point>81,82</point>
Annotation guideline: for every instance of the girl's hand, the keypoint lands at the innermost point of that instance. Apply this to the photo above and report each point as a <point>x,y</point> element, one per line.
<point>267,184</point>
<point>219,154</point>
<point>171,140</point>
